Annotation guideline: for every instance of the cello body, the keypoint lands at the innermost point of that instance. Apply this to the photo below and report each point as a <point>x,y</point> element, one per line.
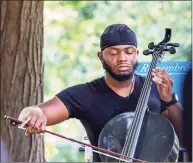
<point>157,139</point>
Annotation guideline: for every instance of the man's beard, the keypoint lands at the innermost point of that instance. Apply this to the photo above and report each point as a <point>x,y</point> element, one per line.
<point>119,77</point>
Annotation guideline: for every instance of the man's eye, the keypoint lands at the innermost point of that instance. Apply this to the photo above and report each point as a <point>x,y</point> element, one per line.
<point>130,51</point>
<point>113,52</point>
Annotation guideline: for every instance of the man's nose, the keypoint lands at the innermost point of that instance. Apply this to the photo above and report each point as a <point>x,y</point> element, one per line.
<point>122,56</point>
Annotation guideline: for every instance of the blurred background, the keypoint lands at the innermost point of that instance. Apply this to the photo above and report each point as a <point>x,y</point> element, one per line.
<point>72,32</point>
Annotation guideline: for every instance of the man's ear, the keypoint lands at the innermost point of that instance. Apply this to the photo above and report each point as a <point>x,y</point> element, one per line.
<point>100,56</point>
<point>137,52</point>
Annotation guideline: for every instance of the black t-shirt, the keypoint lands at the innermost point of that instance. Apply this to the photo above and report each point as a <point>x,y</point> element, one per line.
<point>95,103</point>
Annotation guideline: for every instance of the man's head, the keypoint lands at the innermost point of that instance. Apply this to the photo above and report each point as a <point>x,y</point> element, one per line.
<point>119,51</point>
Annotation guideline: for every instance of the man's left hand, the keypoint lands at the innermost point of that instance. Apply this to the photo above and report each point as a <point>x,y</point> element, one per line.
<point>164,84</point>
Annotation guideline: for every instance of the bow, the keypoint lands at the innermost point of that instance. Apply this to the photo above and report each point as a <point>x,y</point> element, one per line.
<point>15,122</point>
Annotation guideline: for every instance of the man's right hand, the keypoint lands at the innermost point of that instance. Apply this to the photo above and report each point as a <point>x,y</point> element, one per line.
<point>48,113</point>
<point>35,118</point>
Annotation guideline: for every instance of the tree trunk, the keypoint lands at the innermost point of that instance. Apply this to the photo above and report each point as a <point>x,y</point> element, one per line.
<point>21,74</point>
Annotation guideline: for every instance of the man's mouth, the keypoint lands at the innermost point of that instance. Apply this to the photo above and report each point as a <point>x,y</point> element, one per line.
<point>123,67</point>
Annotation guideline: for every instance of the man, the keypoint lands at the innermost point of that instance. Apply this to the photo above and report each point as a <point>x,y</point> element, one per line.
<point>95,103</point>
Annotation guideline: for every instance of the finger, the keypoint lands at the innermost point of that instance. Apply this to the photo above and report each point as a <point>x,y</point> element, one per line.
<point>168,76</point>
<point>35,131</point>
<point>28,131</point>
<point>159,82</point>
<point>166,81</point>
<point>37,124</point>
<point>32,121</point>
<point>162,78</point>
<point>34,125</point>
<point>158,78</point>
<point>39,131</point>
<point>43,126</point>
<point>163,72</point>
<point>157,73</point>
<point>44,123</point>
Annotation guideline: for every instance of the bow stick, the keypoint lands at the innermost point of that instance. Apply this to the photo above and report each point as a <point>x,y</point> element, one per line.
<point>16,122</point>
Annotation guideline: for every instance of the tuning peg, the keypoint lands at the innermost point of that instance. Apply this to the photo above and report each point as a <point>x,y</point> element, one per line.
<point>147,52</point>
<point>176,45</point>
<point>173,44</point>
<point>151,45</point>
<point>172,50</point>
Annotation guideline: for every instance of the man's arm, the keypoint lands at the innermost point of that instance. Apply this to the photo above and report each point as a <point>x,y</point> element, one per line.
<point>45,114</point>
<point>55,111</point>
<point>69,103</point>
<point>175,115</point>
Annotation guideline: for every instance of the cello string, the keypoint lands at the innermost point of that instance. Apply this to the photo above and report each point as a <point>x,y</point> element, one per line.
<point>135,122</point>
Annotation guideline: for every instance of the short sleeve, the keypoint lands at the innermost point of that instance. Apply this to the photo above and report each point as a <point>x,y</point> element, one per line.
<point>74,100</point>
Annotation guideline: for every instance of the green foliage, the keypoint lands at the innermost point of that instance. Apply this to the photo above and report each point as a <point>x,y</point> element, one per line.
<point>72,38</point>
